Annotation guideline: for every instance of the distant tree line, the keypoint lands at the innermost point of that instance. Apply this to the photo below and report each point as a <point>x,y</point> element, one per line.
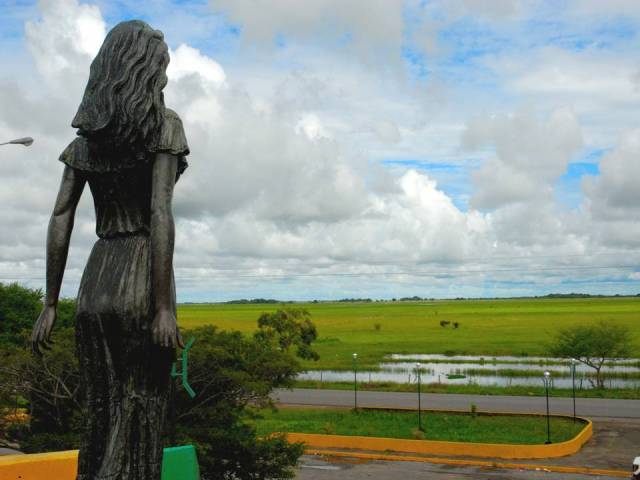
<point>415,298</point>
<point>355,300</point>
<point>580,295</point>
<point>244,301</point>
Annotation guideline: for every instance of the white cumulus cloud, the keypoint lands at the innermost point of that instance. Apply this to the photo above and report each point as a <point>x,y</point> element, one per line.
<point>286,195</point>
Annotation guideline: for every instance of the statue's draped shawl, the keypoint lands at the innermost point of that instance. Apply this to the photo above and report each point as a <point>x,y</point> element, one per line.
<point>82,154</point>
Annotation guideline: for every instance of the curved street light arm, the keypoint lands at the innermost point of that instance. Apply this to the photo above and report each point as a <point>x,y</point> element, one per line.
<point>26,141</point>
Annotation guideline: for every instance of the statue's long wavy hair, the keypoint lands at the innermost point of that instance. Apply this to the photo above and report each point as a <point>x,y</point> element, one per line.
<point>123,105</point>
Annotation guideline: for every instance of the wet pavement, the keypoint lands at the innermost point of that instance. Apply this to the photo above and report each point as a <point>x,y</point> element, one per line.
<point>323,468</point>
<point>9,451</point>
<point>613,446</point>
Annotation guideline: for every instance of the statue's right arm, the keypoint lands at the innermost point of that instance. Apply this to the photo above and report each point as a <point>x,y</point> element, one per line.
<point>58,237</point>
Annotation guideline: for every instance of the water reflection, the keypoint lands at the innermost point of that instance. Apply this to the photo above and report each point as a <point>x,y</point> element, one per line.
<point>491,359</point>
<point>485,371</point>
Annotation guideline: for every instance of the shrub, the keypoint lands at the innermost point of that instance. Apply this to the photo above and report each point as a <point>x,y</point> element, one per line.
<point>230,372</point>
<point>329,428</point>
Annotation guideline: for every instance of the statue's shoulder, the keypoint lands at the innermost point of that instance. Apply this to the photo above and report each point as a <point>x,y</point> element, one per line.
<point>171,116</point>
<point>76,154</point>
<point>172,137</point>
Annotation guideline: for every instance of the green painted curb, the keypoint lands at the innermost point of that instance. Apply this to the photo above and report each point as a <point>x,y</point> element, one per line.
<point>180,463</point>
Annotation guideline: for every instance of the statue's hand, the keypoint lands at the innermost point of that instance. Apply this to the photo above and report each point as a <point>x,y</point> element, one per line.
<point>41,334</point>
<point>164,330</point>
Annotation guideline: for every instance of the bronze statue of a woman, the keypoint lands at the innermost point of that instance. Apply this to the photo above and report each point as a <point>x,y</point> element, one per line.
<point>131,150</point>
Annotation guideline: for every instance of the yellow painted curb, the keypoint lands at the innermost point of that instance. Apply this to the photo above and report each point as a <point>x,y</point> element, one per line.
<point>470,463</point>
<point>436,447</point>
<point>63,465</point>
<point>40,466</point>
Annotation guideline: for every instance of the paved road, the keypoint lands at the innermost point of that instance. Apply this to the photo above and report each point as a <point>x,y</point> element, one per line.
<point>314,468</point>
<point>587,407</point>
<point>613,446</point>
<point>9,451</point>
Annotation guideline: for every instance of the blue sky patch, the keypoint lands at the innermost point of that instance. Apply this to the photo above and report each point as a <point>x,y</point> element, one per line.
<point>568,187</point>
<point>452,178</point>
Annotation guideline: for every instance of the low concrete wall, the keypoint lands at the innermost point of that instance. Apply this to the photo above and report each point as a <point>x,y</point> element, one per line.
<point>63,465</point>
<point>178,463</point>
<point>432,447</point>
<point>40,466</point>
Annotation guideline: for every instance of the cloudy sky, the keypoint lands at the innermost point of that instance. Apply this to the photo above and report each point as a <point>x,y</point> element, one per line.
<point>361,148</point>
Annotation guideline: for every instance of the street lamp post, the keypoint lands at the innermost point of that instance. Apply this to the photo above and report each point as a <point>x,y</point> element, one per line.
<point>26,141</point>
<point>17,399</point>
<point>419,399</point>
<point>573,382</point>
<point>547,380</point>
<point>355,381</point>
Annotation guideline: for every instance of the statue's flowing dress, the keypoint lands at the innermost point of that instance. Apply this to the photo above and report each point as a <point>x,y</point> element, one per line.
<point>125,377</point>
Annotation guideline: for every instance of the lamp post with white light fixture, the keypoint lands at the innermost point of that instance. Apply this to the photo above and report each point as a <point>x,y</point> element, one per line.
<point>355,382</point>
<point>547,381</point>
<point>26,141</point>
<point>419,399</point>
<point>573,382</point>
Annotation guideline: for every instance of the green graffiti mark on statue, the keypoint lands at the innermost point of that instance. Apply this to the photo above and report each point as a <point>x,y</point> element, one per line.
<point>183,373</point>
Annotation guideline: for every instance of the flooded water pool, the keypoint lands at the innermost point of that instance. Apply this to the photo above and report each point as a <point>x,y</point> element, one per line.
<point>487,371</point>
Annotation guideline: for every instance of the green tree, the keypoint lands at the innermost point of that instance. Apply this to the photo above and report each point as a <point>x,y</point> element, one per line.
<point>232,374</point>
<point>289,328</point>
<point>19,307</point>
<point>51,384</point>
<point>593,345</point>
<point>66,313</point>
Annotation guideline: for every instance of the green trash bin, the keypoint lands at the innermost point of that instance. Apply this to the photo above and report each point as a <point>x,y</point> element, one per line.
<point>180,463</point>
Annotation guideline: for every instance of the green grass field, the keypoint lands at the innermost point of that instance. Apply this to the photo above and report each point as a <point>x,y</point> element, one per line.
<point>487,327</point>
<point>437,425</point>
